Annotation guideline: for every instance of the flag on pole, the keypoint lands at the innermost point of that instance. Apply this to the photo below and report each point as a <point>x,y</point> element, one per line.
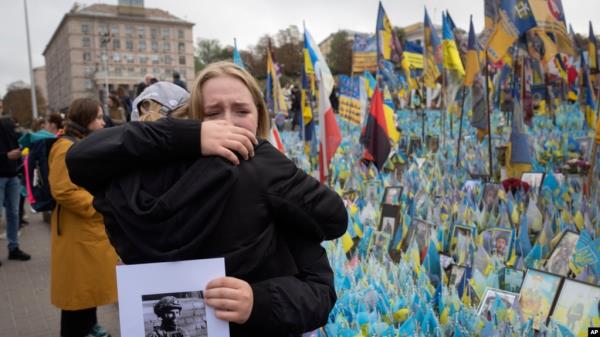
<point>275,139</point>
<point>375,137</point>
<point>433,53</point>
<point>275,99</point>
<point>237,59</point>
<point>452,59</point>
<point>516,18</point>
<point>316,64</point>
<point>550,18</point>
<point>593,51</point>
<point>330,136</point>
<point>472,66</point>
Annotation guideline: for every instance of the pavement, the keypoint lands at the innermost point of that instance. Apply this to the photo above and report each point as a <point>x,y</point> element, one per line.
<point>25,287</point>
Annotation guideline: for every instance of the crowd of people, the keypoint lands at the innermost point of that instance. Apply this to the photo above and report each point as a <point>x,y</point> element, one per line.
<point>189,158</point>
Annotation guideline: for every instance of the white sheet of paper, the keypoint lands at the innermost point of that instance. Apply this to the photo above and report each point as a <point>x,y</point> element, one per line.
<point>140,286</point>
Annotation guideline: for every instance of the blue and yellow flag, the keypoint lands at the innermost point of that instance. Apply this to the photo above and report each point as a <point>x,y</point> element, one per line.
<point>593,51</point>
<point>452,59</point>
<point>472,66</point>
<point>516,18</point>
<point>588,104</point>
<point>432,52</point>
<point>275,99</point>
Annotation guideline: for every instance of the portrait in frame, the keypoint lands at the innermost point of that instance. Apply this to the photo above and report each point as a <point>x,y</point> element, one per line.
<point>577,304</point>
<point>537,295</point>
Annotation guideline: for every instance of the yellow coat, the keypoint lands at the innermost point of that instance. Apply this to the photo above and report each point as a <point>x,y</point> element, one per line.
<point>83,273</point>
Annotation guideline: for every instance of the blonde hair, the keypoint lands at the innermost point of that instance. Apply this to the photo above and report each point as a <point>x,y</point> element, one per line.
<point>225,68</point>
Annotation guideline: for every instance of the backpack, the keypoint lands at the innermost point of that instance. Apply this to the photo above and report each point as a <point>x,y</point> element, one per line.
<point>36,174</point>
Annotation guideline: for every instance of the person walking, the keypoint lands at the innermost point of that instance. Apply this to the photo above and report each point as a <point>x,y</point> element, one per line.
<point>83,263</point>
<point>10,156</point>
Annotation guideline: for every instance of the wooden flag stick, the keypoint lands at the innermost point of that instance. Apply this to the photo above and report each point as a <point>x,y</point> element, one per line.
<point>489,123</point>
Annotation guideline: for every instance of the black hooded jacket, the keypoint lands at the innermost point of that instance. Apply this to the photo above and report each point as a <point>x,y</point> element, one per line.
<point>8,142</point>
<point>265,216</point>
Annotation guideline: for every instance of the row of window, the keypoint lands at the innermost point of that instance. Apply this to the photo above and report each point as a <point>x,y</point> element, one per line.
<point>129,45</point>
<point>131,31</point>
<point>119,71</point>
<point>143,59</point>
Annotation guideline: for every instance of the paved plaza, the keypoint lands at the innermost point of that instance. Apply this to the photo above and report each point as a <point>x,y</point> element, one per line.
<point>25,309</point>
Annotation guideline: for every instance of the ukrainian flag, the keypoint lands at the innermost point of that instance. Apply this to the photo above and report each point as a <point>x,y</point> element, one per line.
<point>452,59</point>
<point>473,66</point>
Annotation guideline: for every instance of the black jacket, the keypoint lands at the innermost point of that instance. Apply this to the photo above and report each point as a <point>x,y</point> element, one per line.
<point>8,142</point>
<point>265,216</point>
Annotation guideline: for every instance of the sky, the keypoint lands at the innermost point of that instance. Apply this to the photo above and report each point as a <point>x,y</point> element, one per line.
<point>248,20</point>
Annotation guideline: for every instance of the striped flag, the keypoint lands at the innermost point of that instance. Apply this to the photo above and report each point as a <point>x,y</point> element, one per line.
<point>452,59</point>
<point>375,137</point>
<point>275,139</point>
<point>472,66</point>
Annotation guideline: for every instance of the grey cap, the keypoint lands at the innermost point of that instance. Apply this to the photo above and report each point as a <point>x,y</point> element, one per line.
<point>167,94</point>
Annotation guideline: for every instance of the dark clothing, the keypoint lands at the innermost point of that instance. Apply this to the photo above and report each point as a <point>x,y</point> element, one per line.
<point>140,87</point>
<point>334,100</point>
<point>77,323</point>
<point>265,217</point>
<point>180,83</point>
<point>8,142</point>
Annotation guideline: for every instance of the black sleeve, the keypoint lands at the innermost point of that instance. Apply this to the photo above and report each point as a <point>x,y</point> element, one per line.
<point>105,154</point>
<point>299,303</point>
<point>299,203</point>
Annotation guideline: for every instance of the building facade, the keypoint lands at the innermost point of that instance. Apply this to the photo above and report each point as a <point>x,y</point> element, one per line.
<point>131,40</point>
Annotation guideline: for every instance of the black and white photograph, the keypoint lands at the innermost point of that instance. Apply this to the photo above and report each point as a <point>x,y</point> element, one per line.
<point>456,275</point>
<point>419,231</point>
<point>490,296</point>
<point>390,218</point>
<point>489,201</point>
<point>534,179</point>
<point>166,299</point>
<point>181,314</point>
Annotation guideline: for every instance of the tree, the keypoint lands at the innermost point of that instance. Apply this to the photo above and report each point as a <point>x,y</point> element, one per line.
<point>340,56</point>
<point>17,103</point>
<point>207,51</point>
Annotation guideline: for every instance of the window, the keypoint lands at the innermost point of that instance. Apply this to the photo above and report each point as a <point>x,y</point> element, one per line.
<point>181,48</point>
<point>85,28</point>
<point>114,29</point>
<point>181,59</point>
<point>129,44</point>
<point>88,71</point>
<point>143,71</point>
<point>130,71</point>
<point>141,32</point>
<point>168,59</point>
<point>153,33</point>
<point>130,58</point>
<point>154,59</point>
<point>143,59</point>
<point>86,42</point>
<point>103,28</point>
<point>154,46</point>
<point>165,33</point>
<point>180,34</point>
<point>129,30</point>
<point>87,56</point>
<point>116,44</point>
<point>182,73</point>
<point>166,46</point>
<point>89,85</point>
<point>119,71</point>
<point>168,71</point>
<point>116,57</point>
<point>142,45</point>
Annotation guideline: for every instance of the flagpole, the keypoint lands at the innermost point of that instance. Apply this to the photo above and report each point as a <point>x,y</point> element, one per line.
<point>322,95</point>
<point>34,110</point>
<point>594,148</point>
<point>460,124</point>
<point>489,123</point>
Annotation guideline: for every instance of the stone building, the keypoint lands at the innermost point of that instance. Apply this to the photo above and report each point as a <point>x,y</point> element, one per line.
<point>140,41</point>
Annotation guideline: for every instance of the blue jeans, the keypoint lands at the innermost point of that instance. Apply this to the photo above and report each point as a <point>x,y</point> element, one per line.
<point>9,197</point>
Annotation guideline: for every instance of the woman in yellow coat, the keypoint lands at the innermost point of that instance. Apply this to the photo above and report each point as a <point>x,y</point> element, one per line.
<point>83,274</point>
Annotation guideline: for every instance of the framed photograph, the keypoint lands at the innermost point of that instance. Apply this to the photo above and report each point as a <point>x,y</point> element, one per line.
<point>456,275</point>
<point>585,147</point>
<point>511,279</point>
<point>168,298</point>
<point>534,179</point>
<point>460,241</point>
<point>577,304</point>
<point>380,243</point>
<point>489,298</point>
<point>419,231</point>
<point>479,176</point>
<point>490,196</point>
<point>446,261</point>
<point>497,242</point>
<point>390,218</point>
<point>538,292</point>
<point>558,263</point>
<point>391,195</point>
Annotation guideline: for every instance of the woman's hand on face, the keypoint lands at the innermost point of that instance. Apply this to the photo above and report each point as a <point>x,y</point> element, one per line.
<point>231,298</point>
<point>221,138</point>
